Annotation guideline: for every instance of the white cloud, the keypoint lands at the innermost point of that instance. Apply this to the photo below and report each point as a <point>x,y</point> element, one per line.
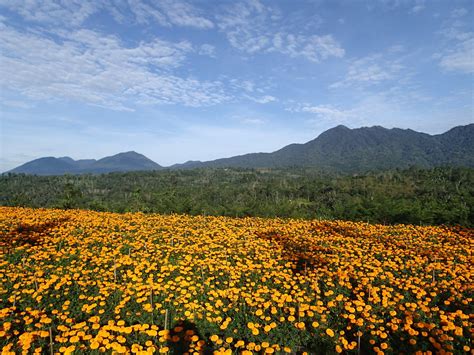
<point>314,48</point>
<point>73,13</point>
<point>249,90</point>
<point>263,99</point>
<point>207,50</point>
<point>142,11</point>
<point>253,121</point>
<point>370,70</point>
<point>247,86</point>
<point>328,112</point>
<point>412,6</point>
<point>459,12</point>
<point>253,27</point>
<point>165,13</point>
<point>181,13</point>
<point>418,7</point>
<point>16,104</point>
<point>457,51</point>
<point>396,106</point>
<point>460,57</point>
<point>397,48</point>
<point>383,110</point>
<point>97,69</point>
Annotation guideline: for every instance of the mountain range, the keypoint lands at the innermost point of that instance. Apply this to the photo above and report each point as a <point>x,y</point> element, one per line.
<point>128,161</point>
<point>339,149</point>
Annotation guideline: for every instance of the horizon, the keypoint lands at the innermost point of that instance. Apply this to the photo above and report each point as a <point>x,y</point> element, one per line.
<point>193,80</point>
<point>199,161</point>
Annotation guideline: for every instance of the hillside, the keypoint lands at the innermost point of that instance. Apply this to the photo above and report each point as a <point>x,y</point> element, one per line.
<point>122,162</point>
<point>342,149</point>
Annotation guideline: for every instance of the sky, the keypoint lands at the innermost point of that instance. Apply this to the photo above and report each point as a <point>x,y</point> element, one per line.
<point>180,80</point>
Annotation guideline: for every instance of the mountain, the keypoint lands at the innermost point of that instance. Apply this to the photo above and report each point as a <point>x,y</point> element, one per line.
<point>45,166</point>
<point>128,161</point>
<point>341,149</point>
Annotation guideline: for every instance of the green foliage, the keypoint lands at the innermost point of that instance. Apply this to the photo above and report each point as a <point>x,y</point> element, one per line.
<point>415,196</point>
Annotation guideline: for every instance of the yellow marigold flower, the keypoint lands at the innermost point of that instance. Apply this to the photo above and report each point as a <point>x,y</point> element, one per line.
<point>152,332</point>
<point>44,334</point>
<point>45,320</point>
<point>239,343</point>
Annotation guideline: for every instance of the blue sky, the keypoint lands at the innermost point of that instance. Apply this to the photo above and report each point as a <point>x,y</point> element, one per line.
<point>184,80</point>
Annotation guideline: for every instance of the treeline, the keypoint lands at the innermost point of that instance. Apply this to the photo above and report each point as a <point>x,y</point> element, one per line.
<point>416,196</point>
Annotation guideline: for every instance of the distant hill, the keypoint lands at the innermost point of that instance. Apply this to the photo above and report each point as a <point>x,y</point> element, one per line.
<point>128,161</point>
<point>339,149</point>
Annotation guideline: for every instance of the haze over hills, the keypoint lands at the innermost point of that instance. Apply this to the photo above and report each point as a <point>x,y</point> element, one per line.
<point>339,149</point>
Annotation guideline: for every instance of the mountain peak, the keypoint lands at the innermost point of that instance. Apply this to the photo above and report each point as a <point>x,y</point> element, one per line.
<point>130,152</point>
<point>340,127</point>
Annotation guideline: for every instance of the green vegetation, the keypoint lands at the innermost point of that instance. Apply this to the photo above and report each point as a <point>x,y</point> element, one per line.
<point>417,196</point>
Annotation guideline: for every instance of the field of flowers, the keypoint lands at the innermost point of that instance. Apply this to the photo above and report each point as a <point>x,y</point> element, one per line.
<point>89,282</point>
